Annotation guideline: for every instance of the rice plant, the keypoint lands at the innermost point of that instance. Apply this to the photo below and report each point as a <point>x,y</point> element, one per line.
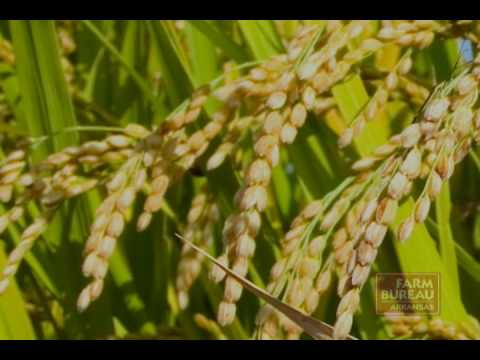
<point>307,157</point>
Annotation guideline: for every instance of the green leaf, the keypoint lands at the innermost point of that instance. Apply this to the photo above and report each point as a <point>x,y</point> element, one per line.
<point>444,55</point>
<point>261,38</point>
<point>204,61</point>
<point>283,191</point>
<point>178,83</point>
<point>351,97</point>
<point>420,254</point>
<point>142,85</point>
<point>14,320</point>
<point>220,40</point>
<point>124,281</point>
<point>467,262</point>
<point>447,244</point>
<point>48,109</point>
<point>202,55</point>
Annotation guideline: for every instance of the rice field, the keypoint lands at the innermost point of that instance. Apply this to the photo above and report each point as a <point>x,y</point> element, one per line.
<point>239,179</point>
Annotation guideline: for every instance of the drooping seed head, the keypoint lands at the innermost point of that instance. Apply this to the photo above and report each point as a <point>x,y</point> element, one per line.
<point>405,229</point>
<point>277,269</point>
<point>90,263</point>
<point>308,97</point>
<point>356,30</point>
<point>11,167</point>
<point>216,160</point>
<point>405,40</point>
<point>212,129</point>
<point>295,232</point>
<point>375,233</point>
<point>359,125</point>
<point>307,70</point>
<point>412,163</point>
<point>273,123</point>
<point>397,186</point>
<point>329,219</point>
<point>136,131</point>
<point>258,74</point>
<point>382,97</point>
<point>309,267</point>
<point>254,196</point>
<point>264,145</point>
<point>345,138</point>
<point>343,325</point>
<point>387,33</point>
<point>422,208</point>
<point>254,222</point>
<point>107,247</point>
<point>297,293</point>
<point>462,121</point>
<point>118,141</point>
<point>233,290</point>
<point>100,270</point>
<point>411,135</point>
<point>240,266</point>
<point>153,203</point>
<point>405,66</point>
<point>226,313</point>
<point>445,166</point>
<point>126,198</point>
<point>288,133</point>
<point>360,275</point>
<point>349,266</point>
<point>370,45</point>
<point>366,253</point>
<point>323,281</point>
<point>273,155</point>
<point>83,300</point>
<point>258,173</point>
<point>143,221</point>
<point>116,225</point>
<point>197,140</point>
<point>428,129</point>
<point>192,115</point>
<point>466,84</point>
<point>245,246</point>
<point>316,246</point>
<point>16,155</point>
<point>286,81</point>
<point>364,164</point>
<point>369,210</point>
<point>277,100</point>
<point>311,301</point>
<point>117,182</point>
<point>343,252</point>
<point>391,81</point>
<point>35,229</point>
<point>217,274</point>
<point>178,149</point>
<point>298,115</point>
<point>436,109</point>
<point>349,303</point>
<point>386,211</point>
<point>313,209</point>
<point>434,185</point>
